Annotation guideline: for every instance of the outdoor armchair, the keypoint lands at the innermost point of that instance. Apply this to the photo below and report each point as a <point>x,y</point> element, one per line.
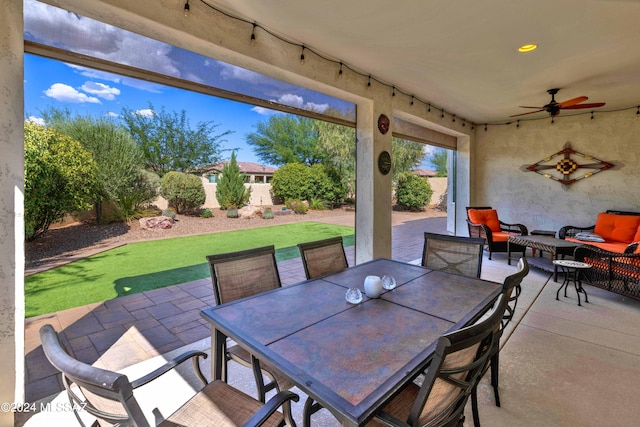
<point>242,274</point>
<point>483,221</point>
<point>322,257</point>
<point>458,362</point>
<point>454,254</point>
<point>109,396</point>
<point>511,289</point>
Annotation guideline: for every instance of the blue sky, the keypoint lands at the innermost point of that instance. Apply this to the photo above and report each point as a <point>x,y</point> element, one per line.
<point>51,83</point>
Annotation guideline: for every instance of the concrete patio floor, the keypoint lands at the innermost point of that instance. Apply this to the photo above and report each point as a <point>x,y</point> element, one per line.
<point>560,365</point>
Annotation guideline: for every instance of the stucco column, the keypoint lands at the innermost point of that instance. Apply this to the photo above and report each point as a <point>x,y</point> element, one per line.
<point>11,206</point>
<point>373,201</point>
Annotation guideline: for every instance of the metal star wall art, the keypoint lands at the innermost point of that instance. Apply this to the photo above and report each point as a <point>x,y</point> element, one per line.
<point>564,168</point>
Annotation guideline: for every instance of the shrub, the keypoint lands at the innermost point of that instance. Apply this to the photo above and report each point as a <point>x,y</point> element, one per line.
<point>59,177</point>
<point>297,206</point>
<point>142,191</point>
<point>232,213</point>
<point>318,204</point>
<point>292,181</point>
<point>230,191</point>
<point>326,184</point>
<point>169,213</point>
<point>267,213</point>
<point>206,213</point>
<point>183,191</point>
<point>413,192</point>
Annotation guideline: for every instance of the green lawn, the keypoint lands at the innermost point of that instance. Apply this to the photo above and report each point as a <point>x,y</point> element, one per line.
<point>138,267</point>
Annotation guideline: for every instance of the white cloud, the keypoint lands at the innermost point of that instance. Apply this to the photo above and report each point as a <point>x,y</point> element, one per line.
<point>292,100</point>
<point>101,90</point>
<point>319,108</point>
<point>229,71</point>
<point>43,23</point>
<point>110,77</point>
<point>65,93</point>
<point>147,112</point>
<point>37,120</point>
<point>112,114</point>
<point>264,111</point>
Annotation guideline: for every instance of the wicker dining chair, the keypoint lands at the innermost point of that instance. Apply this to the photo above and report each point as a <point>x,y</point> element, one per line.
<point>109,396</point>
<point>511,289</point>
<point>454,254</point>
<point>322,257</point>
<point>458,362</point>
<point>242,274</point>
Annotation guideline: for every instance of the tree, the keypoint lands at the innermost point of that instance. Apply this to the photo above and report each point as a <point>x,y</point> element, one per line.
<point>413,191</point>
<point>338,142</point>
<point>406,155</point>
<point>291,182</point>
<point>60,177</point>
<point>438,158</point>
<point>168,142</point>
<point>183,191</point>
<point>286,138</point>
<point>230,191</point>
<point>120,173</point>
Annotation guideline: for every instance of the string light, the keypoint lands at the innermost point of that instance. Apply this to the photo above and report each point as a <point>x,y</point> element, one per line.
<point>302,56</point>
<point>442,114</point>
<point>454,119</point>
<point>464,122</point>
<point>394,91</point>
<point>187,8</point>
<point>638,111</point>
<point>340,72</point>
<point>429,109</point>
<point>253,35</point>
<point>485,127</point>
<point>369,82</point>
<point>518,124</point>
<point>592,115</point>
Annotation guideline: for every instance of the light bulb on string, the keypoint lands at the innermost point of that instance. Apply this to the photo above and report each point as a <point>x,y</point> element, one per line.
<point>394,91</point>
<point>454,119</point>
<point>187,8</point>
<point>302,56</point>
<point>253,36</point>
<point>412,99</point>
<point>592,117</point>
<point>369,83</point>
<point>518,124</point>
<point>485,127</point>
<point>429,109</point>
<point>638,112</point>
<point>340,72</point>
<point>464,122</point>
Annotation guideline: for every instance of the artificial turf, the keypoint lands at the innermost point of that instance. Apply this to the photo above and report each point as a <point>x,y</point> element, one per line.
<point>138,267</point>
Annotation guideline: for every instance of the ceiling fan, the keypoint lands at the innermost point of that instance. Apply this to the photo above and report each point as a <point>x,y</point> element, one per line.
<point>554,107</point>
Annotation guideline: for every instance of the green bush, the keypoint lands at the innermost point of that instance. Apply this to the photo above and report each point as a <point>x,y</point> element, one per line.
<point>183,191</point>
<point>206,213</point>
<point>297,206</point>
<point>267,213</point>
<point>413,192</point>
<point>232,213</point>
<point>230,190</point>
<point>299,182</point>
<point>60,177</point>
<point>142,191</point>
<point>318,204</point>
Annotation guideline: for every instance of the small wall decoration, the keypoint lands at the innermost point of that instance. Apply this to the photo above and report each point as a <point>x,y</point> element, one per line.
<point>561,166</point>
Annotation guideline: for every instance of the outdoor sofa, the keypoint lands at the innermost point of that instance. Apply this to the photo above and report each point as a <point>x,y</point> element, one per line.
<point>611,246</point>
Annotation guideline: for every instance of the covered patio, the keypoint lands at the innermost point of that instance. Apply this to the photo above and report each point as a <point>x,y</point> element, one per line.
<point>564,364</point>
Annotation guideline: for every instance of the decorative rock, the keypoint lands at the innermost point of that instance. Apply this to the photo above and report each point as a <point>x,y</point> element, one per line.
<point>248,212</point>
<point>156,223</point>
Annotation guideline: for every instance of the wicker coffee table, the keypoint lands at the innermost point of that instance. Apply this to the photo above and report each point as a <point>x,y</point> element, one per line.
<point>556,247</point>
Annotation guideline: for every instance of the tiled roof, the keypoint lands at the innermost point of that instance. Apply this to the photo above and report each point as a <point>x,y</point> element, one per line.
<point>425,172</point>
<point>249,168</point>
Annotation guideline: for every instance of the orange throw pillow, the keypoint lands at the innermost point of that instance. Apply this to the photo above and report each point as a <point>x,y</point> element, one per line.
<point>485,216</point>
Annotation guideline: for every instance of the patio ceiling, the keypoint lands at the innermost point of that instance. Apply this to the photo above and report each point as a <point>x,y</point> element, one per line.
<point>462,56</point>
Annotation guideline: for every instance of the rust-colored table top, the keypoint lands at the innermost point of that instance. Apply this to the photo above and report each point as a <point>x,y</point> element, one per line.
<point>352,358</point>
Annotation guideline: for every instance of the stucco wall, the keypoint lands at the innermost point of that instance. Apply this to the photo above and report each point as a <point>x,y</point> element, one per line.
<point>541,203</point>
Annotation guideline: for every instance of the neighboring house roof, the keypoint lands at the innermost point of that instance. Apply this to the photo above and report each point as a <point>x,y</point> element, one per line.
<point>428,173</point>
<point>248,168</point>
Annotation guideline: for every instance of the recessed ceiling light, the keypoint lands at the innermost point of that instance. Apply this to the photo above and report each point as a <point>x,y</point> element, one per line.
<point>527,48</point>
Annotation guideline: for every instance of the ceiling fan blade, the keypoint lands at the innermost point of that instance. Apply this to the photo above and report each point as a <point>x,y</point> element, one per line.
<point>524,106</point>
<point>530,112</point>
<point>572,101</point>
<point>591,105</point>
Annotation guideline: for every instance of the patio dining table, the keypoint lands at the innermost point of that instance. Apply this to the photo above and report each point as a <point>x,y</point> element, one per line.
<point>351,358</point>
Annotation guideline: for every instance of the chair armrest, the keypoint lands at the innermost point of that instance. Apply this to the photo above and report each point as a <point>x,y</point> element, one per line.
<point>514,228</point>
<point>631,249</point>
<point>270,408</point>
<point>172,364</point>
<point>572,230</point>
<point>479,230</point>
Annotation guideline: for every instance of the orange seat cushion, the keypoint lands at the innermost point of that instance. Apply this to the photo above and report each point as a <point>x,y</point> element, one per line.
<point>618,228</point>
<point>618,247</point>
<point>488,217</point>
